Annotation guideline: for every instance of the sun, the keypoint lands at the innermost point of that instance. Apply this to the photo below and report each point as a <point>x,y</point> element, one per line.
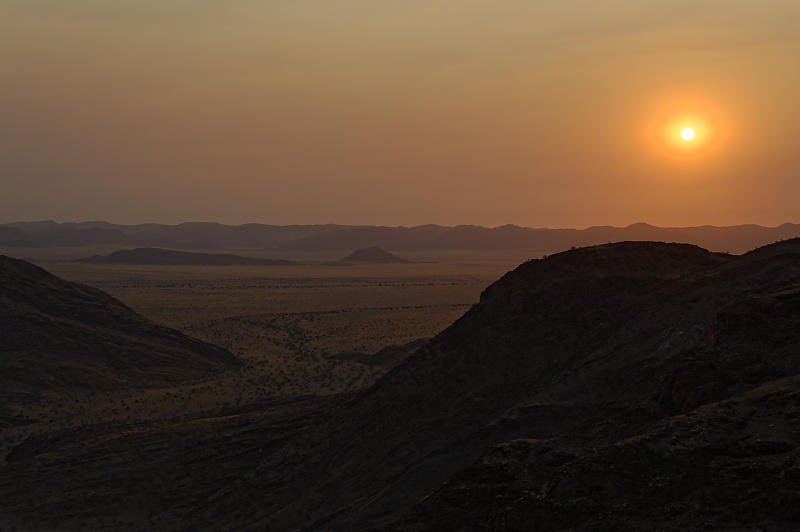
<point>687,134</point>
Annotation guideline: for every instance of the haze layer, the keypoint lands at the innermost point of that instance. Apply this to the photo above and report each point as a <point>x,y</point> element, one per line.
<point>536,113</point>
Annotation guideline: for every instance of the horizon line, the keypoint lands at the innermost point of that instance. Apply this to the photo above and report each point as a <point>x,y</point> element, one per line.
<point>596,226</point>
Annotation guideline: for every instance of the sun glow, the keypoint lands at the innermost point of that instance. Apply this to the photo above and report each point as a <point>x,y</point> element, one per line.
<point>688,133</point>
<point>689,129</point>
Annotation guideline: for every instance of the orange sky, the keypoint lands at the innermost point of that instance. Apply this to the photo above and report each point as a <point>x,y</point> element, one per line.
<point>562,113</point>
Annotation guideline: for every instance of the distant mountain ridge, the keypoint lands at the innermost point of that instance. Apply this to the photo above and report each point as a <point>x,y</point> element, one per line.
<point>344,238</point>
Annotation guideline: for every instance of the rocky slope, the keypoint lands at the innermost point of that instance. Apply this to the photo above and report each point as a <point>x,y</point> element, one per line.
<point>600,342</point>
<point>728,465</point>
<point>144,475</point>
<point>713,445</point>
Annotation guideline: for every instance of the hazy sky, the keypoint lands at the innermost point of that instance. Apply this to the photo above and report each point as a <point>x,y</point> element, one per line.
<point>561,113</point>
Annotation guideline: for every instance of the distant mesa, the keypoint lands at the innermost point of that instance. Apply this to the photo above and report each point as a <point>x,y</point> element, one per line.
<point>374,255</point>
<point>169,257</point>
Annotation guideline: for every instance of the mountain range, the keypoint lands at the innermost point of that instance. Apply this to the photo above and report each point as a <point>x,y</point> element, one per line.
<point>344,238</point>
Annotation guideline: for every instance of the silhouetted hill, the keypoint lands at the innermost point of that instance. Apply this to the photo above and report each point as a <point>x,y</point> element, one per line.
<point>594,349</point>
<point>57,336</point>
<point>374,255</point>
<point>157,256</point>
<point>343,238</point>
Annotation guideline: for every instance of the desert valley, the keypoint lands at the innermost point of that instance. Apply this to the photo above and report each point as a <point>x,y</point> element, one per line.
<point>400,266</point>
<point>432,391</point>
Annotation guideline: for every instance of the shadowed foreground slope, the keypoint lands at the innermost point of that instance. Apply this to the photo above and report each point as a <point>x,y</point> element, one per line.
<point>57,336</point>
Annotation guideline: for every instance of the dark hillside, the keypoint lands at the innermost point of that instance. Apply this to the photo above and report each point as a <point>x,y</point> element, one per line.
<point>619,335</point>
<point>57,336</point>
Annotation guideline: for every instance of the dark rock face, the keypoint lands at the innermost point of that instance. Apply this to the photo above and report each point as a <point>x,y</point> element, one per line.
<point>158,256</point>
<point>729,465</point>
<point>712,444</point>
<point>58,336</point>
<point>374,255</point>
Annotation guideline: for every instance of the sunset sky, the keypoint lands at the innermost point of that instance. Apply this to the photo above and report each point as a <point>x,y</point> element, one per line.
<point>561,114</point>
